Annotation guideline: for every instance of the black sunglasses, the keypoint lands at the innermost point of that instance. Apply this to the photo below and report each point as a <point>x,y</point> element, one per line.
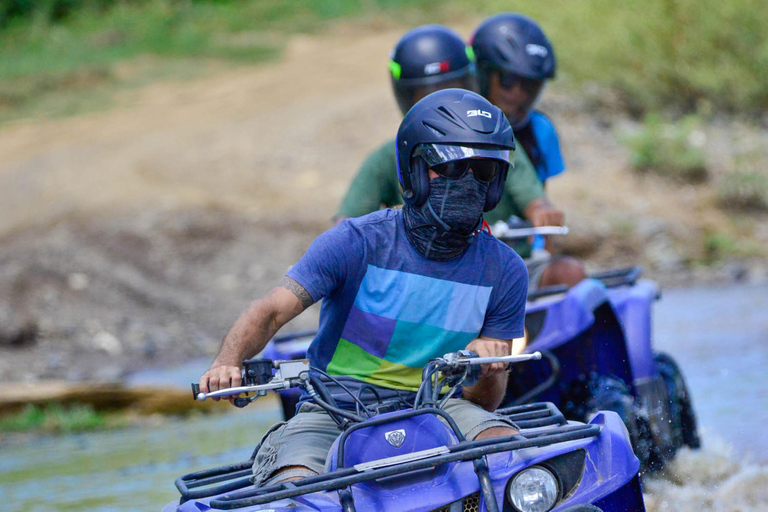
<point>484,169</point>
<point>509,80</point>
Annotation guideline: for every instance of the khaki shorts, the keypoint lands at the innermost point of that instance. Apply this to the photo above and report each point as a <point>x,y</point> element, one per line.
<point>307,437</point>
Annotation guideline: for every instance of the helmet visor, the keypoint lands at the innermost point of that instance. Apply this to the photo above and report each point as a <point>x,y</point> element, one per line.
<point>436,154</point>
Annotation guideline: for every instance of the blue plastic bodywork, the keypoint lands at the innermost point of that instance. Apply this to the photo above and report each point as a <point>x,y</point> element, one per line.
<point>632,305</point>
<point>609,467</point>
<point>596,330</point>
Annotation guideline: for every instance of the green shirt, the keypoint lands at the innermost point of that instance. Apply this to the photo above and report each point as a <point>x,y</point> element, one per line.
<point>376,186</point>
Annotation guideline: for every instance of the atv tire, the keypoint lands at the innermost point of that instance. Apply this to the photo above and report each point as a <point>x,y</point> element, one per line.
<point>683,418</point>
<point>612,394</point>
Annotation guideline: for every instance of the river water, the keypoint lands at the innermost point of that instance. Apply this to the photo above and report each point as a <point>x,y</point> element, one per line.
<point>718,335</point>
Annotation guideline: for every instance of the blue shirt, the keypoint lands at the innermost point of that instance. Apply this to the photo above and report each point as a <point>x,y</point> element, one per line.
<point>387,310</point>
<point>550,161</point>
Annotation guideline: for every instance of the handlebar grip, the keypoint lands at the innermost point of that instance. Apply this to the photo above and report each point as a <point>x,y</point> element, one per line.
<point>195,391</point>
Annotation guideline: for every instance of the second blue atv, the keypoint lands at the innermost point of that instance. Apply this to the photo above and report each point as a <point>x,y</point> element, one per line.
<point>597,342</point>
<point>596,339</point>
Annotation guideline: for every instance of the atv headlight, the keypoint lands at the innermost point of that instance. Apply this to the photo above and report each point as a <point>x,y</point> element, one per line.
<point>533,490</point>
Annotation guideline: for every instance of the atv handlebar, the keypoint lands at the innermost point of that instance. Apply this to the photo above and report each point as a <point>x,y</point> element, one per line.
<point>259,388</point>
<point>258,377</point>
<point>514,230</point>
<point>461,358</point>
<point>296,373</point>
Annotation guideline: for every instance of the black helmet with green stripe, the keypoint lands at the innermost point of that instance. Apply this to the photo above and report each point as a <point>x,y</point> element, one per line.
<point>427,59</point>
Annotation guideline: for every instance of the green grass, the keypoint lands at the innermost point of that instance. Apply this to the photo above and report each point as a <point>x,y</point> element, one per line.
<point>671,150</point>
<point>55,419</point>
<point>719,246</point>
<point>744,189</point>
<point>679,56</point>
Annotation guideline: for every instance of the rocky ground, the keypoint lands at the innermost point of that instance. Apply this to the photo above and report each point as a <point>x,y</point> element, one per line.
<point>133,237</point>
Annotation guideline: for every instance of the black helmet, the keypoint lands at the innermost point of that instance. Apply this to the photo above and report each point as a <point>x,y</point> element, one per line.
<point>449,125</point>
<point>428,57</point>
<point>514,44</point>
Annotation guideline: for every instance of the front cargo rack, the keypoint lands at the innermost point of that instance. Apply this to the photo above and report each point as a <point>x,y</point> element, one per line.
<point>230,483</point>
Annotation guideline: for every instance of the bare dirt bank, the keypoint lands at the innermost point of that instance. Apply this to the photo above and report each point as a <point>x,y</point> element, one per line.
<point>134,237</point>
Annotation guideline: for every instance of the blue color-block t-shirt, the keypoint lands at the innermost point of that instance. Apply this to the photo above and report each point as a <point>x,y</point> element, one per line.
<point>387,310</point>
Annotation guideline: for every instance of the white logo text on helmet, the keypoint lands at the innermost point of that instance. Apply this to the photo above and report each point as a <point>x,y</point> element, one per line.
<point>475,113</point>
<point>536,49</point>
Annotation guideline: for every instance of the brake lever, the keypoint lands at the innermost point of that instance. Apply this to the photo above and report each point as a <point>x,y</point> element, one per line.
<point>457,359</point>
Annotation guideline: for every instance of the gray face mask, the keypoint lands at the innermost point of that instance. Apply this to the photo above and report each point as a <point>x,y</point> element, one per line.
<point>444,226</point>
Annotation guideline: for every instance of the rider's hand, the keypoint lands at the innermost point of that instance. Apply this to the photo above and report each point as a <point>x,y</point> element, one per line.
<point>540,212</point>
<point>487,347</point>
<point>221,377</point>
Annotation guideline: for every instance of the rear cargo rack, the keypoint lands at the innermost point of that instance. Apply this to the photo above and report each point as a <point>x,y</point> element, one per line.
<point>232,480</point>
<point>610,278</point>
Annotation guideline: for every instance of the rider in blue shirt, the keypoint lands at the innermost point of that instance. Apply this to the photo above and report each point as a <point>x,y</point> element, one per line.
<point>399,287</point>
<point>514,61</point>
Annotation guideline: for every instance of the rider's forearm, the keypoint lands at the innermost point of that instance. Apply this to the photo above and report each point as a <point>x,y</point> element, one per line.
<point>249,334</point>
<point>488,392</point>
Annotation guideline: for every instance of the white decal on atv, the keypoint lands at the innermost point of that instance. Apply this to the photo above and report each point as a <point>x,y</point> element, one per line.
<point>475,113</point>
<point>432,68</point>
<point>536,49</point>
<point>396,437</point>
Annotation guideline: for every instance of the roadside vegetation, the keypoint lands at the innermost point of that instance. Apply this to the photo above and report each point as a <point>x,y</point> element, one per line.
<point>671,150</point>
<point>744,189</point>
<point>676,56</point>
<point>57,419</point>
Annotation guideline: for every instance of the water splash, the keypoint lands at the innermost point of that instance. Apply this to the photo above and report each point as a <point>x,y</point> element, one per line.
<point>712,479</point>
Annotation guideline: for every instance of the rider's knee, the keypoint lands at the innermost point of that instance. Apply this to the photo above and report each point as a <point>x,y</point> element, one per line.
<point>565,270</point>
<point>288,473</point>
<point>496,432</point>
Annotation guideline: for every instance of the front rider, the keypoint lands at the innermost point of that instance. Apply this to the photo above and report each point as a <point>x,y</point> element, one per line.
<point>514,61</point>
<point>429,58</point>
<point>400,287</point>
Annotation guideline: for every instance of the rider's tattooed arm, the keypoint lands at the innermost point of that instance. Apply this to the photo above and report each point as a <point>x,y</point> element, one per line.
<point>256,325</point>
<point>302,294</point>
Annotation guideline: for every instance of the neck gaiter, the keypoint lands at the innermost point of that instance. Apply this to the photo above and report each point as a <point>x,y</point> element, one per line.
<point>444,226</point>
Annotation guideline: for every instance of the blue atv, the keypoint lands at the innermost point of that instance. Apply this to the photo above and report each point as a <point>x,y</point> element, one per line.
<point>597,345</point>
<point>416,459</point>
